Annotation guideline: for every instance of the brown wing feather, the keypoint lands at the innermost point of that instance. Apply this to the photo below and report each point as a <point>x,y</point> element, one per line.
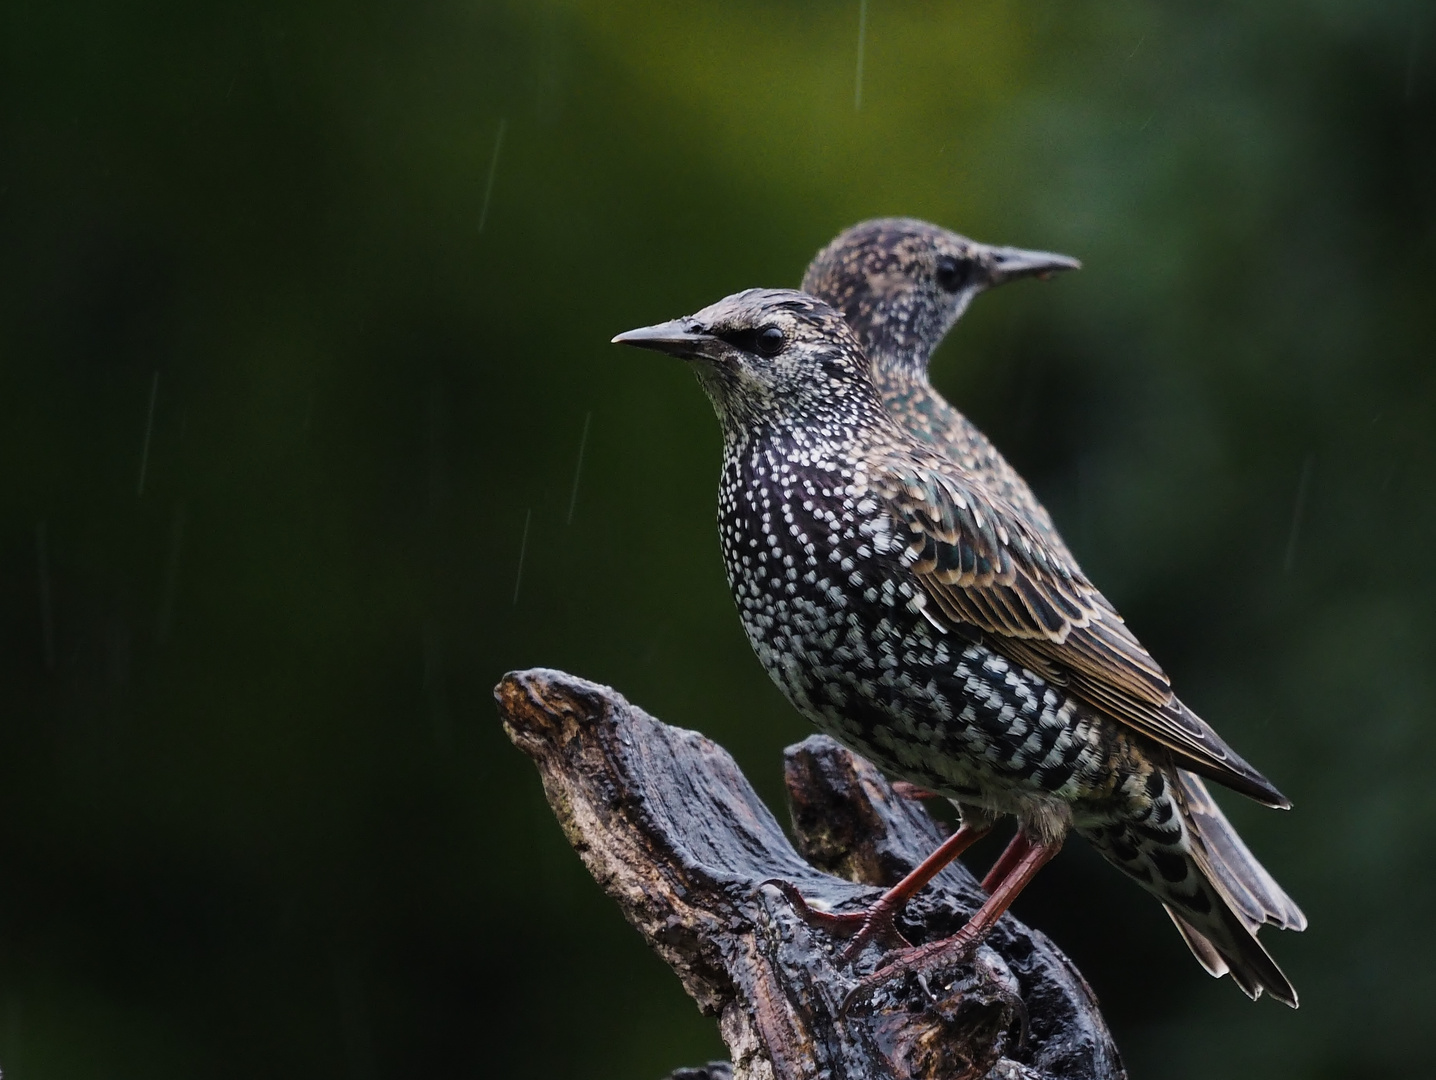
<point>983,566</point>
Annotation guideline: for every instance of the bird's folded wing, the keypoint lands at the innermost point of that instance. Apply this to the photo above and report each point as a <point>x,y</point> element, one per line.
<point>983,566</point>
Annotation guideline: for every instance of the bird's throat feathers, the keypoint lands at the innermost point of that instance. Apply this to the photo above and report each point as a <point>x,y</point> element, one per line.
<point>750,410</point>
<point>900,338</point>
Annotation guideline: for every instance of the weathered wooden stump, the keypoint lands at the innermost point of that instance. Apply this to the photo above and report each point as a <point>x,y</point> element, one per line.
<point>669,827</point>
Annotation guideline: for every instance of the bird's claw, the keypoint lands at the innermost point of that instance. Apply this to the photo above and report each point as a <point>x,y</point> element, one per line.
<point>862,927</point>
<point>919,961</point>
<point>873,926</point>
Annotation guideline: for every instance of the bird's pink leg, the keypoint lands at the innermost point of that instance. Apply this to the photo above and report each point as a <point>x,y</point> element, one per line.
<point>923,959</point>
<point>904,790</point>
<point>878,919</point>
<point>1010,857</point>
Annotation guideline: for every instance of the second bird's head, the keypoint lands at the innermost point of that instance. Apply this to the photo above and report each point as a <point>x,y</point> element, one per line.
<point>769,356</point>
<point>902,283</point>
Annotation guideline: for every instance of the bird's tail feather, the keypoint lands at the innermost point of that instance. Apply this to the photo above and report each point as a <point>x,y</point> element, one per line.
<point>1186,853</point>
<point>1258,899</point>
<point>1224,946</point>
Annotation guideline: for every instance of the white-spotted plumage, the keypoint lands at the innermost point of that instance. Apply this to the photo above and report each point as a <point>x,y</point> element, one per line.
<point>912,615</point>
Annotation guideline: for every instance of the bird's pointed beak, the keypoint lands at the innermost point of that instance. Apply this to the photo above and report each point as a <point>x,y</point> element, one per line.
<point>677,337</point>
<point>1010,263</point>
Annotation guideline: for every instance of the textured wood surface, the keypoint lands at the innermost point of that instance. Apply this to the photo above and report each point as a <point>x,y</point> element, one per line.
<point>671,830</point>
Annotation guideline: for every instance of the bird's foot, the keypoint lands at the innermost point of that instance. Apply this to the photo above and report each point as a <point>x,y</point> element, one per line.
<point>876,923</point>
<point>920,962</point>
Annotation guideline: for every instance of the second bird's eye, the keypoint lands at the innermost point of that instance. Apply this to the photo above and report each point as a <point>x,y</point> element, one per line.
<point>770,341</point>
<point>952,273</point>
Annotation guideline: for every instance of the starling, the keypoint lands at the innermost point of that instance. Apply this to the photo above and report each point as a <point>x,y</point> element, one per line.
<point>910,613</point>
<point>902,284</point>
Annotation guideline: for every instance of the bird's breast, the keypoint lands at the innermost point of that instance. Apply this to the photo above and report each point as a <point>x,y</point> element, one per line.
<point>814,562</point>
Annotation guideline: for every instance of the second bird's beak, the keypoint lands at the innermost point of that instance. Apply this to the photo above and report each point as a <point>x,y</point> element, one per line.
<point>1010,263</point>
<point>677,337</point>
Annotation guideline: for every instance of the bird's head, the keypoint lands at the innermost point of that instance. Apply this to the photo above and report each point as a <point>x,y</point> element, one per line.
<point>902,283</point>
<point>769,356</point>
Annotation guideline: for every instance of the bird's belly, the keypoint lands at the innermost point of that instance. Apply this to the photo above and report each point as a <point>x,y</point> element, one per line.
<point>949,716</point>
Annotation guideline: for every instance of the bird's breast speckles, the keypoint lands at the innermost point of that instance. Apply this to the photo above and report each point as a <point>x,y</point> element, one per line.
<point>817,566</point>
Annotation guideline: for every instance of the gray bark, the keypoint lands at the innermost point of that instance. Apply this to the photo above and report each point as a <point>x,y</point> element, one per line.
<point>672,831</point>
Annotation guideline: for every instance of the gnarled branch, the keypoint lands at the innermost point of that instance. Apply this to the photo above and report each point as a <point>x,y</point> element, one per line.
<point>670,829</point>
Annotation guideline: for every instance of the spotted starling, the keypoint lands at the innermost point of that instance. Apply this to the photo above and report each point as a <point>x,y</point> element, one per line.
<point>902,284</point>
<point>912,614</point>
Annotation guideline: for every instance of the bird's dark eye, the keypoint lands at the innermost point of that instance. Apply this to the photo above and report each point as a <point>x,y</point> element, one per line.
<point>770,341</point>
<point>953,273</point>
<point>765,341</point>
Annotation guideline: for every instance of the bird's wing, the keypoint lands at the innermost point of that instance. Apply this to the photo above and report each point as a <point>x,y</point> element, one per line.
<point>983,566</point>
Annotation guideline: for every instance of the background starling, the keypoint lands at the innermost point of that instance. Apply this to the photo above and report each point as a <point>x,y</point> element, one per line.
<point>902,284</point>
<point>913,615</point>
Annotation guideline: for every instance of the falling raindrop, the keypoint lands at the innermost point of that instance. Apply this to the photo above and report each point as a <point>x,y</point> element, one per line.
<point>1413,53</point>
<point>149,427</point>
<point>862,36</point>
<point>1296,511</point>
<point>523,546</point>
<point>493,171</point>
<point>578,468</point>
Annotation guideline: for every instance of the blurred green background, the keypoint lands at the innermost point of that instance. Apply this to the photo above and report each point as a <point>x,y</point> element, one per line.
<point>304,311</point>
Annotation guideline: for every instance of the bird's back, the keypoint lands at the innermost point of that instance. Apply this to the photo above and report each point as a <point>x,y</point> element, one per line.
<point>930,417</point>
